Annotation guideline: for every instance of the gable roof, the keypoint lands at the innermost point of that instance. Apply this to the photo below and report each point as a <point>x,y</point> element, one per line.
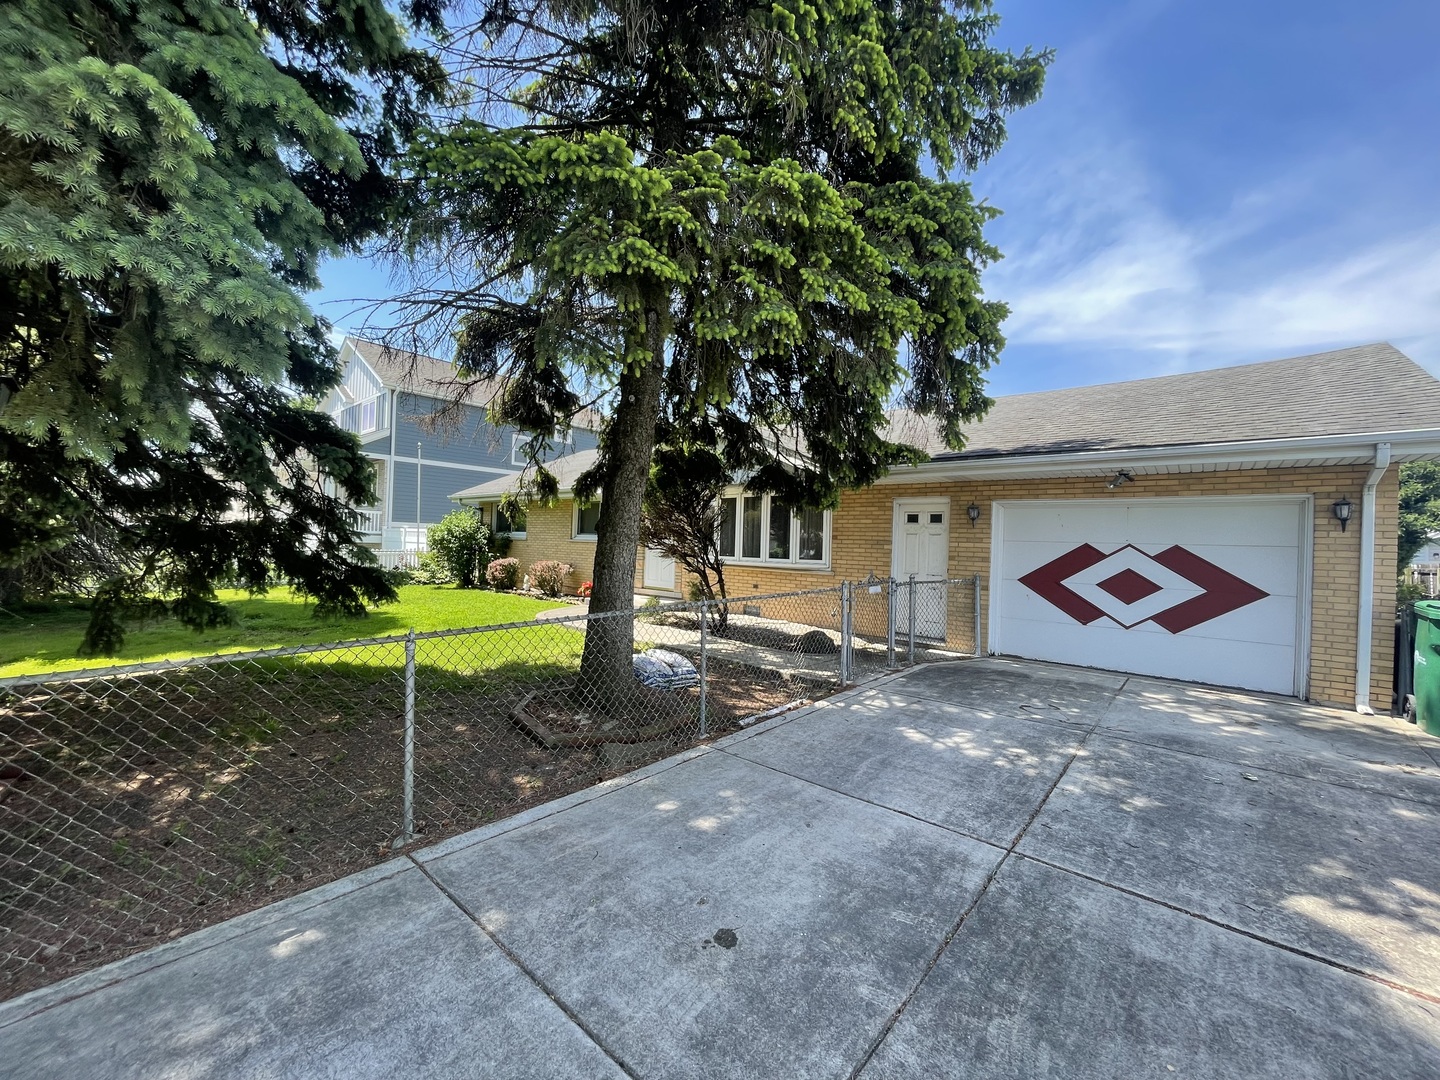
<point>566,469</point>
<point>417,373</point>
<point>1371,388</point>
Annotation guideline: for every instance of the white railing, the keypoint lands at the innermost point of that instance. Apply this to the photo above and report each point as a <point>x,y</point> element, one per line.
<point>364,416</point>
<point>398,560</point>
<point>369,520</point>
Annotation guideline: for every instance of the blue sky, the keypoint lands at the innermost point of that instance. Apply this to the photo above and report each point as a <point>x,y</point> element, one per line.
<point>1205,182</point>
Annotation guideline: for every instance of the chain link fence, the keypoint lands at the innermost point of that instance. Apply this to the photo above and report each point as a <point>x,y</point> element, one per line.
<point>141,802</point>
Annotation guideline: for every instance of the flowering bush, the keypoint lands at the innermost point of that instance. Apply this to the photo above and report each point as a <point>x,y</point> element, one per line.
<point>584,589</point>
<point>503,573</point>
<point>548,575</point>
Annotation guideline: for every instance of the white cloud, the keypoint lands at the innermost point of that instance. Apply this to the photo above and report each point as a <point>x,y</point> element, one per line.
<point>1095,259</point>
<point>1106,249</point>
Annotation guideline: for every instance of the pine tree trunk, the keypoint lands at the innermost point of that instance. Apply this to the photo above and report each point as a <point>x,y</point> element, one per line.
<point>605,665</point>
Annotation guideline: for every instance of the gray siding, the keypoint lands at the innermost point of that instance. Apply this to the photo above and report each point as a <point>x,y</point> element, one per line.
<point>438,484</point>
<point>473,442</point>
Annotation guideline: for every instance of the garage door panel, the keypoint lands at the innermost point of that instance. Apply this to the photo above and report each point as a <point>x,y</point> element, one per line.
<point>1188,521</point>
<point>1205,590</point>
<point>1269,668</point>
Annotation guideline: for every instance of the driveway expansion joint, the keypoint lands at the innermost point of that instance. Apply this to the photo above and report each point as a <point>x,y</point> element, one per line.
<point>894,1017</point>
<point>525,970</point>
<point>1293,950</point>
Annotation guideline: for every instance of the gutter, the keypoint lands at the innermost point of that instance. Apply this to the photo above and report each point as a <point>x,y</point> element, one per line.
<point>1365,628</point>
<point>1252,453</point>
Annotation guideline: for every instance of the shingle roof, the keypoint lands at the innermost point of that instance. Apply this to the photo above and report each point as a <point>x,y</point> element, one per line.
<point>1371,388</point>
<point>402,370</point>
<point>566,470</point>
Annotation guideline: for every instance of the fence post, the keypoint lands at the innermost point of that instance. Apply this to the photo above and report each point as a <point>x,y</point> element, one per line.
<point>407,828</point>
<point>977,614</point>
<point>845,595</point>
<point>890,623</point>
<point>704,648</point>
<point>910,639</point>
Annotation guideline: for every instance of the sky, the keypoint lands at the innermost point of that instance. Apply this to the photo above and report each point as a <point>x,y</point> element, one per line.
<point>1204,182</point>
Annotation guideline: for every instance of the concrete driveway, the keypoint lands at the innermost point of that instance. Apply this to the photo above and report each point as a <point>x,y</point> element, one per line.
<point>981,869</point>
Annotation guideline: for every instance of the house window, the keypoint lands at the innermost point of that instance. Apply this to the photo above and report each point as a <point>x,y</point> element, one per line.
<point>727,528</point>
<point>510,526</point>
<point>587,521</point>
<point>520,448</point>
<point>762,529</point>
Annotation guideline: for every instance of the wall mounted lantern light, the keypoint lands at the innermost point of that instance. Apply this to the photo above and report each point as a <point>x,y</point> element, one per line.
<point>1341,509</point>
<point>973,513</point>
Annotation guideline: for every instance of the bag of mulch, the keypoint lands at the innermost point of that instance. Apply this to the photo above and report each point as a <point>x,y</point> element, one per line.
<point>665,670</point>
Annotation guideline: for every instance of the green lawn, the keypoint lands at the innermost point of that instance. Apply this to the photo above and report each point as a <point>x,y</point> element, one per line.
<point>45,639</point>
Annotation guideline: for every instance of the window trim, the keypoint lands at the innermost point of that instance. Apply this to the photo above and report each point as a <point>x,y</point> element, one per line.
<point>794,562</point>
<point>565,445</point>
<point>575,533</point>
<point>492,515</point>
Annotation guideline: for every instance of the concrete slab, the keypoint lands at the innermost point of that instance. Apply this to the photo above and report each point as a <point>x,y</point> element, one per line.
<point>1337,872</point>
<point>385,980</point>
<point>1371,752</point>
<point>1054,976</point>
<point>1016,688</point>
<point>721,919</point>
<point>983,776</point>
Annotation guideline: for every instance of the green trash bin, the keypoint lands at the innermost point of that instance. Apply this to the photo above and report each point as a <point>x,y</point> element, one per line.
<point>1427,666</point>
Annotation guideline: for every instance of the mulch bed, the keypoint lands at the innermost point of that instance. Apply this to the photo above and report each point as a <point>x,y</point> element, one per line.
<point>135,810</point>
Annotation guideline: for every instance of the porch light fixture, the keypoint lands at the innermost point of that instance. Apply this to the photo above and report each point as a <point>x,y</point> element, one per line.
<point>1120,478</point>
<point>1341,509</point>
<point>973,513</point>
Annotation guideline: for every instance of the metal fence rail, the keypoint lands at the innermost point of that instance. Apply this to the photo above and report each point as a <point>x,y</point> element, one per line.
<point>144,801</point>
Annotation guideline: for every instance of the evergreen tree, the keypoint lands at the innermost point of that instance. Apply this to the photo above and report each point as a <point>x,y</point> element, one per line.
<point>1419,507</point>
<point>721,217</point>
<point>171,173</point>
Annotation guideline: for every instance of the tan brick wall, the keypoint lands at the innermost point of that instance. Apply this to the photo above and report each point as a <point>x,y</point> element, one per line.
<point>548,535</point>
<point>861,531</point>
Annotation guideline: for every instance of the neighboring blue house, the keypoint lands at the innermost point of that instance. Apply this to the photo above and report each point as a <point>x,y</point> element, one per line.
<point>395,402</point>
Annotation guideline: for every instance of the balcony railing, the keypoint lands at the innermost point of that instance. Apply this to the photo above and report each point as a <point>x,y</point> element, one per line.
<point>369,520</point>
<point>364,416</point>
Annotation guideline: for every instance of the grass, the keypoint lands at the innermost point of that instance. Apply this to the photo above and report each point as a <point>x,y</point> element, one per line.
<point>43,639</point>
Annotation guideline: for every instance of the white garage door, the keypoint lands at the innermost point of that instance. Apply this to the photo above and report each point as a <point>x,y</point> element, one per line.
<point>1209,590</point>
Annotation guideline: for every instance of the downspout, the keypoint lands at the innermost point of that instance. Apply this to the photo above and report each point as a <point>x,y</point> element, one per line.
<point>1367,581</point>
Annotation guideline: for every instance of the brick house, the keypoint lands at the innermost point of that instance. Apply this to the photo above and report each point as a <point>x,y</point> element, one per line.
<point>1236,526</point>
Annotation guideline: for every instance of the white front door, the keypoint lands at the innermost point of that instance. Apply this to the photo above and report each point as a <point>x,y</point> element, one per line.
<point>920,545</point>
<point>659,571</point>
<point>1212,590</point>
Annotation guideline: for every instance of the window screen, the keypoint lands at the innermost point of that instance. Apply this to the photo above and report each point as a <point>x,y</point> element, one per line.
<point>587,520</point>
<point>779,530</point>
<point>750,527</point>
<point>728,515</point>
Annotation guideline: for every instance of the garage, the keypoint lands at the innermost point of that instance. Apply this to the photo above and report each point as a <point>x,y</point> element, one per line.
<point>1210,590</point>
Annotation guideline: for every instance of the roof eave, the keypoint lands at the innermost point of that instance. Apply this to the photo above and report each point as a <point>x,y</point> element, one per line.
<point>1356,448</point>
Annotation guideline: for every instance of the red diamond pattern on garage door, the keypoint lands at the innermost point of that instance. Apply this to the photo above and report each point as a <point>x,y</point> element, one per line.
<point>1220,591</point>
<point>1129,587</point>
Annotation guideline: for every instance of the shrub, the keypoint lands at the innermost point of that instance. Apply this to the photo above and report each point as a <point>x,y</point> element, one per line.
<point>429,570</point>
<point>462,544</point>
<point>503,573</point>
<point>548,575</point>
<point>585,589</point>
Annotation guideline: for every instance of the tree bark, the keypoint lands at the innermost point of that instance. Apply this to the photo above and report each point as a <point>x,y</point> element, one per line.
<point>605,665</point>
